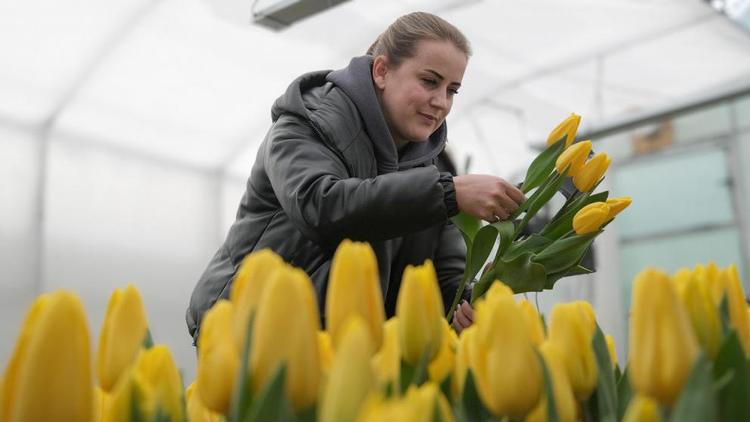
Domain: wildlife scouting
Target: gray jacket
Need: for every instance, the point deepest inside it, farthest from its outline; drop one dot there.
(328, 170)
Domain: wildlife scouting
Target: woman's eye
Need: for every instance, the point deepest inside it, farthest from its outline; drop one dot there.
(453, 91)
(429, 81)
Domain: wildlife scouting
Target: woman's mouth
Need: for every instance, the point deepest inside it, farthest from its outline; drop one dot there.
(428, 118)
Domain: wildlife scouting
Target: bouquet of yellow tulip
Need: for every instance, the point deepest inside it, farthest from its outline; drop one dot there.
(536, 261)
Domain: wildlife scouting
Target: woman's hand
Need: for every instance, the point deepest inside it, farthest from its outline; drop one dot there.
(463, 317)
(487, 197)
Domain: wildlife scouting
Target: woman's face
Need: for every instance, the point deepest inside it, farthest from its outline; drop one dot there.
(417, 95)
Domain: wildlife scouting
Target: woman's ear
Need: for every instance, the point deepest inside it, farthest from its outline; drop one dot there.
(379, 71)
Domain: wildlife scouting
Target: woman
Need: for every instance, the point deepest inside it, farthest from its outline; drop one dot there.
(352, 154)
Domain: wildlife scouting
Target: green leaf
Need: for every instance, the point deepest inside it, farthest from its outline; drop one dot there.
(542, 165)
(549, 391)
(521, 274)
(241, 393)
(605, 395)
(726, 324)
(271, 404)
(481, 247)
(565, 253)
(467, 224)
(624, 394)
(416, 375)
(734, 392)
(573, 271)
(564, 222)
(532, 244)
(148, 341)
(470, 407)
(505, 231)
(697, 402)
(539, 198)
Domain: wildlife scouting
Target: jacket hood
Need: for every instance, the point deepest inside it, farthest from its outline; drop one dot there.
(313, 91)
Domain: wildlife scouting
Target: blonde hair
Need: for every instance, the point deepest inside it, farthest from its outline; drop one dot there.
(399, 41)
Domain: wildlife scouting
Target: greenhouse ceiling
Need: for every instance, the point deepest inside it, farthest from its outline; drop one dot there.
(179, 82)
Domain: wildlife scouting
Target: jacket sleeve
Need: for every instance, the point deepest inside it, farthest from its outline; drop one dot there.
(314, 187)
(450, 260)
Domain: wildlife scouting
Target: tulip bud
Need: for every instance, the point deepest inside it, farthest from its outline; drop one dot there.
(387, 362)
(442, 365)
(354, 289)
(156, 368)
(218, 361)
(502, 337)
(663, 347)
(616, 205)
(611, 349)
(48, 377)
(590, 218)
(533, 321)
(573, 158)
(424, 401)
(703, 313)
(571, 331)
(351, 376)
(197, 411)
(463, 360)
(730, 279)
(567, 128)
(122, 335)
(642, 409)
(285, 331)
(591, 172)
(252, 278)
(419, 308)
(565, 403)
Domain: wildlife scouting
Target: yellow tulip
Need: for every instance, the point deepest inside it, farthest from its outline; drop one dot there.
(218, 361)
(663, 347)
(442, 365)
(354, 289)
(419, 308)
(423, 401)
(131, 399)
(736, 300)
(590, 218)
(565, 403)
(616, 205)
(49, 375)
(502, 358)
(591, 172)
(325, 348)
(252, 278)
(533, 321)
(387, 362)
(567, 128)
(710, 274)
(285, 331)
(611, 349)
(157, 369)
(196, 410)
(573, 158)
(417, 405)
(351, 377)
(122, 335)
(642, 409)
(571, 330)
(377, 409)
(703, 313)
(461, 367)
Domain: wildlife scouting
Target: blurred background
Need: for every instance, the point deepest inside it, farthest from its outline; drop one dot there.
(128, 128)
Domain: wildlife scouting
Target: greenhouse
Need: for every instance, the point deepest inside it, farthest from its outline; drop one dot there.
(207, 215)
